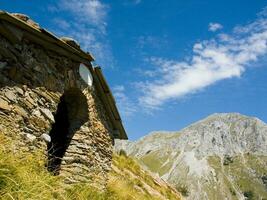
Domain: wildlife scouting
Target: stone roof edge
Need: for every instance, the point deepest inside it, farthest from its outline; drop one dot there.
(109, 100)
(77, 55)
(45, 35)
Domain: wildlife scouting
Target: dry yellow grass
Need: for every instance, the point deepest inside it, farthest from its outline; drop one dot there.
(24, 177)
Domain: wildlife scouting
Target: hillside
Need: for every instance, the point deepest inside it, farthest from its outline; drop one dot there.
(223, 156)
(23, 176)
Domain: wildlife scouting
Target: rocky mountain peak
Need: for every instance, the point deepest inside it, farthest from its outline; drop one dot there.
(219, 133)
(220, 157)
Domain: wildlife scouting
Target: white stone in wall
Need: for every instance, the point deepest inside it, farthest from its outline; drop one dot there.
(30, 137)
(48, 114)
(46, 137)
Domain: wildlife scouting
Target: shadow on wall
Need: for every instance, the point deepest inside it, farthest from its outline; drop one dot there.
(71, 114)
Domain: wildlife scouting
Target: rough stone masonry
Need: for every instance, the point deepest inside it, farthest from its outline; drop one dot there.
(45, 104)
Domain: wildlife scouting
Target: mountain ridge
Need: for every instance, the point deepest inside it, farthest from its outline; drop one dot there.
(215, 151)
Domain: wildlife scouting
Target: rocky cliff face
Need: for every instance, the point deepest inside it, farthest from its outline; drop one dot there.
(221, 157)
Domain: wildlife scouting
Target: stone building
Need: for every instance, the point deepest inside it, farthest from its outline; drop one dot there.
(53, 99)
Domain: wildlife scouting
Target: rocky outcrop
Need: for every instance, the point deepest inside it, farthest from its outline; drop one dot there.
(223, 156)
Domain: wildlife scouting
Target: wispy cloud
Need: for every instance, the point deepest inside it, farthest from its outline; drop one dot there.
(153, 42)
(92, 12)
(215, 26)
(87, 23)
(223, 57)
(126, 106)
(131, 2)
(63, 24)
(137, 1)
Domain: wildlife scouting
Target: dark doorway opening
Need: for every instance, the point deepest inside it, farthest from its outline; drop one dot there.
(71, 114)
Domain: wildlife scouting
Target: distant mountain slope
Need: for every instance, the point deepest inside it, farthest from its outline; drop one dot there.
(223, 156)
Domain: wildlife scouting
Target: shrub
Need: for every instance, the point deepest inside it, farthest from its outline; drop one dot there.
(264, 180)
(122, 152)
(248, 195)
(183, 189)
(227, 160)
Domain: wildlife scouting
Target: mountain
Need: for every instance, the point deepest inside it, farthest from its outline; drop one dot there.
(223, 156)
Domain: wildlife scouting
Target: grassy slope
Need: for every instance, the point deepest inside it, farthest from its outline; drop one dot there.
(139, 184)
(23, 176)
(244, 175)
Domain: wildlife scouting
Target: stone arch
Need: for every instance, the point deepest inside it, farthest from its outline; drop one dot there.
(72, 113)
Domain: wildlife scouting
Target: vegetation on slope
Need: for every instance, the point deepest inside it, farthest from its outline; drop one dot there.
(23, 176)
(137, 183)
(244, 176)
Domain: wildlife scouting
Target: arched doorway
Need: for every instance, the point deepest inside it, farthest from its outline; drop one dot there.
(71, 114)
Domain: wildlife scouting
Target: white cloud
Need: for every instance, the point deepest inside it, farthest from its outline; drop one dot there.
(87, 11)
(215, 26)
(224, 57)
(263, 12)
(126, 106)
(63, 24)
(153, 42)
(85, 22)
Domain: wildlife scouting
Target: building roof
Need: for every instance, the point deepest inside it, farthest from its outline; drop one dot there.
(49, 41)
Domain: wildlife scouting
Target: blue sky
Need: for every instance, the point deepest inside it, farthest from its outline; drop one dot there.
(169, 63)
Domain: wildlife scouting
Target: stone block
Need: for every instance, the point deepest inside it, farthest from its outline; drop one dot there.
(21, 111)
(10, 95)
(4, 105)
(48, 114)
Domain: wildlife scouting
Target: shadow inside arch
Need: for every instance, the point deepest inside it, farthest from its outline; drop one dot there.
(71, 114)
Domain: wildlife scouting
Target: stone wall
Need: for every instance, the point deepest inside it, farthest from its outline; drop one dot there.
(33, 81)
